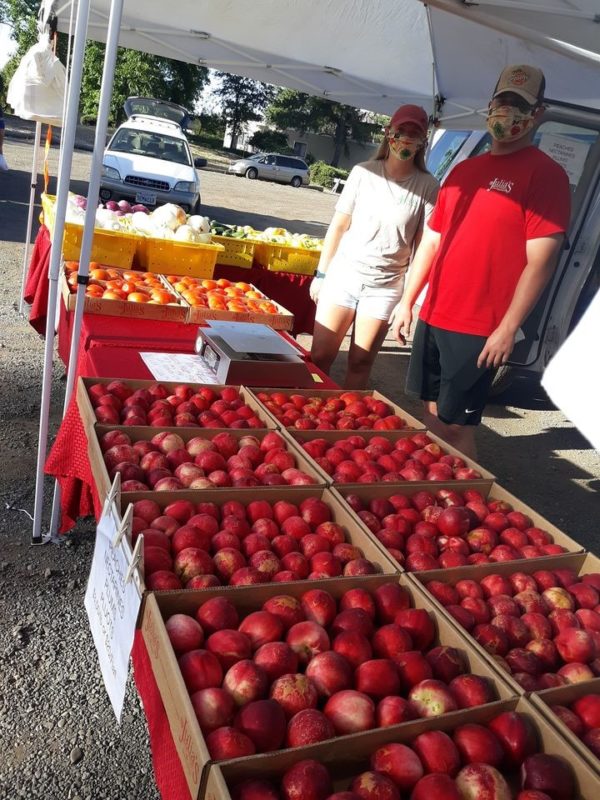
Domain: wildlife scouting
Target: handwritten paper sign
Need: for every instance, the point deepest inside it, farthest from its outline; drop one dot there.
(112, 602)
(179, 367)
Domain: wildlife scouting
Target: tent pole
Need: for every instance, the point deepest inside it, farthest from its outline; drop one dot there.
(64, 177)
(108, 73)
(32, 190)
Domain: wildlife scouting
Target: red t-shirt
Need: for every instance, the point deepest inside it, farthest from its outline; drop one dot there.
(487, 209)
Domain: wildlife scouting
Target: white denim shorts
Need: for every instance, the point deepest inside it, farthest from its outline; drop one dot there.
(349, 291)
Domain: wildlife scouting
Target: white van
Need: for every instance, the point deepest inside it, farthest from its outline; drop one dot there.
(571, 135)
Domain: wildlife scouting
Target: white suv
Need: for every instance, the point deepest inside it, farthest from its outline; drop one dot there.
(148, 159)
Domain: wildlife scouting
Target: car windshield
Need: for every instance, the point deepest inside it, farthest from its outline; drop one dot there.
(154, 145)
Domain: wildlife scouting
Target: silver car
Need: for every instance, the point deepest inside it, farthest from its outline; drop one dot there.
(272, 167)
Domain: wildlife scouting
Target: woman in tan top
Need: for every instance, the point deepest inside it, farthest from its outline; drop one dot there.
(370, 241)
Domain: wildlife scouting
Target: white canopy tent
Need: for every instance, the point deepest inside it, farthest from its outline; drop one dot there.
(372, 54)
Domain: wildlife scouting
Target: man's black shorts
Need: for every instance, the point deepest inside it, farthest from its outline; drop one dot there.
(443, 368)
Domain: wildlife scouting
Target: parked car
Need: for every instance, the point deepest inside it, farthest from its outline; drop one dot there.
(571, 135)
(273, 167)
(148, 159)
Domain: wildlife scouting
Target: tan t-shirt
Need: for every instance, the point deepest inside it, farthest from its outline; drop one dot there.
(386, 217)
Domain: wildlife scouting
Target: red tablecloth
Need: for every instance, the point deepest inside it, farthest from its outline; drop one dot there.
(287, 289)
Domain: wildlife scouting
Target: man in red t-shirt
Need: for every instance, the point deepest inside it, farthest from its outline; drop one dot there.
(487, 252)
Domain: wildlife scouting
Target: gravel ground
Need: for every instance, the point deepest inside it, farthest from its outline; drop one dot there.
(58, 735)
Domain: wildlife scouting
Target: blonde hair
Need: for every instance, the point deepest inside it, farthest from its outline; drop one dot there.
(383, 152)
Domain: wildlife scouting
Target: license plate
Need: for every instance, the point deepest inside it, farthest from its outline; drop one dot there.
(147, 198)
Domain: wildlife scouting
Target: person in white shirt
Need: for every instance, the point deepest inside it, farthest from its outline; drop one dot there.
(370, 241)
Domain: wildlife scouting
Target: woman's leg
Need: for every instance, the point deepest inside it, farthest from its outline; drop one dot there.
(367, 337)
(331, 325)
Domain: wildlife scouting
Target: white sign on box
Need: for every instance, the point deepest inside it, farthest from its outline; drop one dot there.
(571, 379)
(178, 367)
(112, 602)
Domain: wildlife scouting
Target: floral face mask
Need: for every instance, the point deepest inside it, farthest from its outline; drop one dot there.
(509, 123)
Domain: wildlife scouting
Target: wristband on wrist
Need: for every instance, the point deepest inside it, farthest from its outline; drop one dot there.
(319, 274)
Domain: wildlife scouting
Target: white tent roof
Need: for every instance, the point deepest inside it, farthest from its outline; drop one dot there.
(374, 54)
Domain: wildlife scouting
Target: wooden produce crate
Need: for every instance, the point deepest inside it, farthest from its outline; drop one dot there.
(352, 756)
(192, 749)
(487, 478)
(103, 481)
(581, 563)
(236, 252)
(89, 420)
(282, 258)
(108, 247)
(123, 308)
(491, 491)
(169, 257)
(412, 423)
(294, 494)
(564, 696)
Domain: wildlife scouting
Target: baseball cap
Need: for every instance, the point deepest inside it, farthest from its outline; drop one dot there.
(409, 113)
(526, 81)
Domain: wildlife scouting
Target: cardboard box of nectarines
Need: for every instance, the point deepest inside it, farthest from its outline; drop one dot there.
(499, 751)
(392, 457)
(335, 658)
(534, 619)
(293, 408)
(575, 711)
(159, 403)
(248, 537)
(193, 460)
(454, 524)
(273, 314)
(174, 311)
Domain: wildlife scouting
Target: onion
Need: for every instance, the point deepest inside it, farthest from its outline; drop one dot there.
(139, 207)
(200, 224)
(112, 205)
(79, 201)
(125, 206)
(170, 215)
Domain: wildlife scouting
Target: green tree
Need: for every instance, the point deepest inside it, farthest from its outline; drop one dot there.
(268, 140)
(292, 109)
(242, 100)
(136, 73)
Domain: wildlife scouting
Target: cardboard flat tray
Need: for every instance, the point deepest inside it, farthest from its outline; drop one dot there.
(392, 436)
(192, 748)
(348, 761)
(489, 490)
(103, 481)
(123, 308)
(564, 696)
(581, 562)
(371, 549)
(412, 423)
(88, 416)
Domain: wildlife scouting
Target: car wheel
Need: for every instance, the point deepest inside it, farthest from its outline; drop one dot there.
(196, 208)
(252, 174)
(502, 380)
(296, 181)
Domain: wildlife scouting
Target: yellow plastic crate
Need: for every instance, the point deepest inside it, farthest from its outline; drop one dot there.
(112, 248)
(166, 257)
(280, 258)
(236, 252)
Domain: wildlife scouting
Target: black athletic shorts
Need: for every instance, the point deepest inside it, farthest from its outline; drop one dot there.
(443, 368)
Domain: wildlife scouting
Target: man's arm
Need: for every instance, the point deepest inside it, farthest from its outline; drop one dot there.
(542, 255)
(418, 275)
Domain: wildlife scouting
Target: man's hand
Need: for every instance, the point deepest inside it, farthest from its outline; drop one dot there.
(498, 347)
(400, 322)
(315, 288)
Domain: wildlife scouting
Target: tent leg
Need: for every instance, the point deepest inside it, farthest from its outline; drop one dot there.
(64, 177)
(108, 73)
(36, 146)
